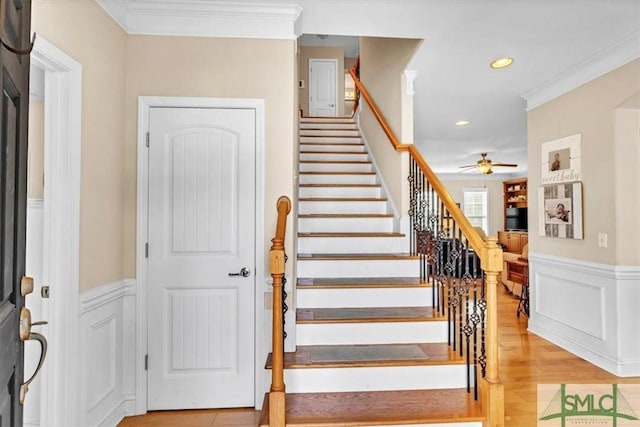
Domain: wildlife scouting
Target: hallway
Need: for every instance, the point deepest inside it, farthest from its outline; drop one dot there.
(525, 361)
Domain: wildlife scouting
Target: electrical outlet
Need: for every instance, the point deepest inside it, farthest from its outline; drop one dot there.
(602, 240)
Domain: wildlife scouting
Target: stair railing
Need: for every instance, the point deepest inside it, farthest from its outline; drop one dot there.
(276, 267)
(462, 266)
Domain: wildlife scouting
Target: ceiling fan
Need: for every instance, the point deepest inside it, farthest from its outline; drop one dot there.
(485, 165)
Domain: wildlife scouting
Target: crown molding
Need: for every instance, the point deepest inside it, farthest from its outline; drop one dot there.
(205, 18)
(599, 64)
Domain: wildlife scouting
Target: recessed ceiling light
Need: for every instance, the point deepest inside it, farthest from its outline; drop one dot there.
(501, 62)
(462, 122)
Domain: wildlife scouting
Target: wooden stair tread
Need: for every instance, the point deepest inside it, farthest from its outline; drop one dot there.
(367, 315)
(330, 136)
(336, 173)
(362, 153)
(327, 120)
(329, 129)
(351, 234)
(385, 256)
(347, 143)
(378, 408)
(342, 199)
(339, 162)
(340, 185)
(345, 215)
(303, 357)
(360, 282)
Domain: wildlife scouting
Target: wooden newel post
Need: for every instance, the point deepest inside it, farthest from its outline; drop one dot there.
(492, 389)
(276, 266)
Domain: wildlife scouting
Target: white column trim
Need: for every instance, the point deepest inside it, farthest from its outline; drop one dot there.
(62, 134)
(145, 103)
(410, 77)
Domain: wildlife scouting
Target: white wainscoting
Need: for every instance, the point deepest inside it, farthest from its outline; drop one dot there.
(589, 309)
(107, 354)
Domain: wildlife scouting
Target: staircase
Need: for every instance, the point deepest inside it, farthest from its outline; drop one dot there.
(371, 351)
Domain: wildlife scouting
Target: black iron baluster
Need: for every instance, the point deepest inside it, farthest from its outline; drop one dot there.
(285, 307)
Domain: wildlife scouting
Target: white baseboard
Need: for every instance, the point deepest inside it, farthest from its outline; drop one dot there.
(106, 379)
(603, 327)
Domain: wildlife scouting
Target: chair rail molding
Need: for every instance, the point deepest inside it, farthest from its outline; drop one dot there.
(212, 18)
(599, 329)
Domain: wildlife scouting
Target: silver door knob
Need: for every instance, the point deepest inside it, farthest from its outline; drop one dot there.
(245, 272)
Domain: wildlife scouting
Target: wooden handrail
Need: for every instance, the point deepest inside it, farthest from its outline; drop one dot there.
(276, 267)
(475, 240)
(490, 260)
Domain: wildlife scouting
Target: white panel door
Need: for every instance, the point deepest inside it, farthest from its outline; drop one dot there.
(201, 230)
(323, 87)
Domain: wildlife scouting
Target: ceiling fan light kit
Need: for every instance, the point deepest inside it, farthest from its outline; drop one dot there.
(485, 166)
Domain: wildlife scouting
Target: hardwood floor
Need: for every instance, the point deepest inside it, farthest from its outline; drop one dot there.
(525, 361)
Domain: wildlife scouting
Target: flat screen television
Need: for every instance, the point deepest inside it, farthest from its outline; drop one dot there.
(516, 219)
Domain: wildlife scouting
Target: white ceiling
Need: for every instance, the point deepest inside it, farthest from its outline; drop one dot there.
(556, 45)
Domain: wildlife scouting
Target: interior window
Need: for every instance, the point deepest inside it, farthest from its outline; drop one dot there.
(475, 207)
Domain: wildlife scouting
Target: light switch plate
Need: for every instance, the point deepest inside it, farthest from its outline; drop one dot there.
(602, 240)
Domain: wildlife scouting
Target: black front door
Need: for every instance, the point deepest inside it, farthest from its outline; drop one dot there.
(15, 23)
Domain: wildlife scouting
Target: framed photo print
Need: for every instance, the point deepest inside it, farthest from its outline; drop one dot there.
(560, 210)
(561, 160)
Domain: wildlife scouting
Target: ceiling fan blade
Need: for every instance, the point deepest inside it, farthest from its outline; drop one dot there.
(468, 166)
(510, 165)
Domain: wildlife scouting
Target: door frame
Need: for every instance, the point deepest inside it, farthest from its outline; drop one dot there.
(336, 84)
(61, 239)
(145, 103)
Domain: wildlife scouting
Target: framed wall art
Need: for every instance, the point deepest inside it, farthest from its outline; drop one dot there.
(560, 211)
(561, 160)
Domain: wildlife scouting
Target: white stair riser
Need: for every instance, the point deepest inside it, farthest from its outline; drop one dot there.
(320, 125)
(345, 225)
(340, 192)
(335, 157)
(336, 167)
(358, 268)
(330, 139)
(324, 380)
(337, 179)
(372, 297)
(333, 147)
(339, 207)
(350, 245)
(370, 333)
(329, 132)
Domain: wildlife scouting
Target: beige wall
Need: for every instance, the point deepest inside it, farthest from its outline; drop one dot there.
(382, 63)
(627, 185)
(82, 30)
(215, 67)
(316, 52)
(608, 150)
(496, 201)
(35, 189)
